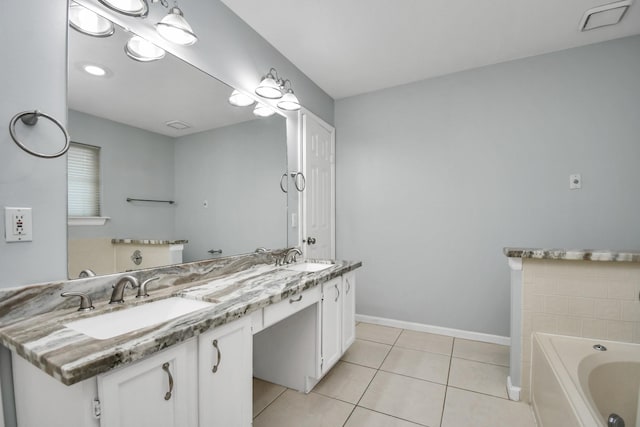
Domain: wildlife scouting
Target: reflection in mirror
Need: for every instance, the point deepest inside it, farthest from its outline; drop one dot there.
(166, 131)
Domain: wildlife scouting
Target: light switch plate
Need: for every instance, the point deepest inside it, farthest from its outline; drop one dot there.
(18, 225)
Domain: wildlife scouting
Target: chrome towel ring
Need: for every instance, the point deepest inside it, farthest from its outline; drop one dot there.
(30, 118)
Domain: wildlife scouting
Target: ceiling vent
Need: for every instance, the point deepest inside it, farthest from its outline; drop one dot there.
(177, 124)
(601, 16)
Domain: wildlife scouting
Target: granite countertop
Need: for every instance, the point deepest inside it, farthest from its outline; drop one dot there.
(573, 254)
(148, 242)
(71, 356)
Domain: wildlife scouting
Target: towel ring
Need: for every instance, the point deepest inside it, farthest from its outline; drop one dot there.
(30, 118)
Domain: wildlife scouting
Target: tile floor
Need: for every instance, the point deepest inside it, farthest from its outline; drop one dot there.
(398, 378)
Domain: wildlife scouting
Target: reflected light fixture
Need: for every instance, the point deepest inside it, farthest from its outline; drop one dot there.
(289, 101)
(239, 99)
(95, 70)
(88, 22)
(138, 8)
(262, 110)
(143, 50)
(175, 28)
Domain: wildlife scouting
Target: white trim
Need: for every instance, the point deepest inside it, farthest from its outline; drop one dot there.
(512, 391)
(515, 263)
(421, 327)
(87, 220)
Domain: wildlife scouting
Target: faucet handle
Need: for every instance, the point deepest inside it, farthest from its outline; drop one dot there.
(85, 300)
(142, 289)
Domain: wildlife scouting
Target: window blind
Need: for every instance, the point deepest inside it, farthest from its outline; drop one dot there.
(83, 180)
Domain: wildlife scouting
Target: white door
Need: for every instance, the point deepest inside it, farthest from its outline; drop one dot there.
(225, 375)
(161, 390)
(318, 198)
(331, 324)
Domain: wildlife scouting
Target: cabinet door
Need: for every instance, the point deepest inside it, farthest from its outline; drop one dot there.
(224, 364)
(160, 390)
(348, 310)
(331, 324)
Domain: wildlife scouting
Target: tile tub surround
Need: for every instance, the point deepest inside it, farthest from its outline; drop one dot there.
(238, 286)
(148, 242)
(597, 298)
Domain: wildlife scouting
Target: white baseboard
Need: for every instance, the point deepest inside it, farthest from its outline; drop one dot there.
(512, 391)
(420, 327)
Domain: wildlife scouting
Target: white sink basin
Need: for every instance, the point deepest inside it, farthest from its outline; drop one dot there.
(308, 267)
(122, 321)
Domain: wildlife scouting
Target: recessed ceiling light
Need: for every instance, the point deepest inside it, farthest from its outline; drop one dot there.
(95, 70)
(602, 16)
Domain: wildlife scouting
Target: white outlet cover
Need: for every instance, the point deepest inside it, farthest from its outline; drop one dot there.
(575, 181)
(12, 232)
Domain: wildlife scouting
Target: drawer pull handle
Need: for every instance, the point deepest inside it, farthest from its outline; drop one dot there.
(348, 287)
(215, 367)
(338, 292)
(165, 367)
(291, 300)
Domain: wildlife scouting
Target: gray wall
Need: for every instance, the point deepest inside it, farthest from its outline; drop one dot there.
(134, 163)
(435, 178)
(237, 170)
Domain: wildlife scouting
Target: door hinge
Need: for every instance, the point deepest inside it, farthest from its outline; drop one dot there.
(97, 408)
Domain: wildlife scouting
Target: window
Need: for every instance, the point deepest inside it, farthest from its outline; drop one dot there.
(83, 180)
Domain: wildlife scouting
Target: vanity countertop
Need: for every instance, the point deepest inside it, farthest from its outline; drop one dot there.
(71, 356)
(573, 254)
(148, 242)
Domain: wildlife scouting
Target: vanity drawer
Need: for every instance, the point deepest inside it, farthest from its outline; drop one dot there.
(285, 308)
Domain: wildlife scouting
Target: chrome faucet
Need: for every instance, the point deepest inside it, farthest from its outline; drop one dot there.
(87, 272)
(142, 289)
(85, 300)
(117, 297)
(291, 255)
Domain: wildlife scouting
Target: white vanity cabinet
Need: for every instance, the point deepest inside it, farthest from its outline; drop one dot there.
(331, 343)
(160, 390)
(348, 310)
(225, 375)
(338, 320)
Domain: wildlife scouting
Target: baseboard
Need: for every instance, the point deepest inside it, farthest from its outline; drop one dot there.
(512, 391)
(420, 327)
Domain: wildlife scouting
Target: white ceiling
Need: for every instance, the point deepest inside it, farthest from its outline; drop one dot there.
(349, 47)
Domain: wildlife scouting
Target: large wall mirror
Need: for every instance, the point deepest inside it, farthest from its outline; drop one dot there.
(165, 131)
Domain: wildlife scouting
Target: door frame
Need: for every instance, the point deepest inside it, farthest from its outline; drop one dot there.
(303, 115)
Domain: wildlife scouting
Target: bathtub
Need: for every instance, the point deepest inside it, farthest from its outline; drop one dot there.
(572, 384)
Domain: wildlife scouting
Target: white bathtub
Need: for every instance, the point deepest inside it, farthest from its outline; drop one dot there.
(572, 384)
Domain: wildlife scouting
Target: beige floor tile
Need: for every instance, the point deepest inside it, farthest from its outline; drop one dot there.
(477, 376)
(407, 398)
(366, 353)
(377, 333)
(481, 351)
(425, 341)
(264, 393)
(346, 381)
(294, 409)
(418, 364)
(466, 408)
(362, 417)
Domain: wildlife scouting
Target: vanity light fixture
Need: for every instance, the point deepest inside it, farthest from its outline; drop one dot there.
(137, 8)
(289, 101)
(175, 28)
(88, 22)
(143, 50)
(273, 86)
(262, 110)
(239, 99)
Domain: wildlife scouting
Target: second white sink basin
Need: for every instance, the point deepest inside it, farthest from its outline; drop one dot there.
(120, 322)
(308, 267)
